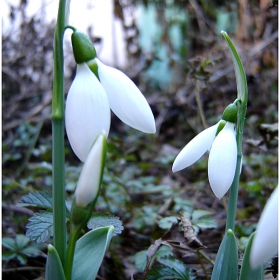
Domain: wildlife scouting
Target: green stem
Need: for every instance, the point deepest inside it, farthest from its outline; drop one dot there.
(233, 196)
(74, 235)
(242, 100)
(59, 211)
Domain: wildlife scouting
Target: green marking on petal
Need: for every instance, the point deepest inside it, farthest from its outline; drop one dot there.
(93, 67)
(222, 124)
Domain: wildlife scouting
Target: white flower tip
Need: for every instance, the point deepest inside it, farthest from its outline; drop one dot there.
(152, 127)
(91, 174)
(126, 100)
(265, 243)
(222, 161)
(176, 166)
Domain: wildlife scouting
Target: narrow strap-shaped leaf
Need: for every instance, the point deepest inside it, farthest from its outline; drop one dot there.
(90, 251)
(239, 70)
(54, 269)
(247, 273)
(226, 263)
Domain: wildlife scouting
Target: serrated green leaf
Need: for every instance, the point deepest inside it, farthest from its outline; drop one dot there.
(98, 220)
(226, 263)
(247, 273)
(90, 251)
(54, 269)
(177, 266)
(41, 199)
(162, 273)
(40, 226)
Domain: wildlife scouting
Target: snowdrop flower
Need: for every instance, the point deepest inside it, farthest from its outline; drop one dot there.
(220, 140)
(265, 243)
(90, 178)
(95, 89)
(87, 111)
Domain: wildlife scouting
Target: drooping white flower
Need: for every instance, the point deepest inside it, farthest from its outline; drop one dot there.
(87, 111)
(265, 243)
(222, 158)
(90, 178)
(95, 89)
(126, 100)
(195, 149)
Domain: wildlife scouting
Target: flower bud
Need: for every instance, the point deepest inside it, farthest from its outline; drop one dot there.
(83, 48)
(230, 113)
(91, 175)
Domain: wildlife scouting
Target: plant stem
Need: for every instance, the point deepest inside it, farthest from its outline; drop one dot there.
(233, 196)
(241, 102)
(74, 235)
(59, 210)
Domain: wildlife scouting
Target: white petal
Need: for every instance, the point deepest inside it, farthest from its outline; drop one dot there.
(87, 111)
(90, 177)
(195, 149)
(125, 99)
(222, 160)
(265, 243)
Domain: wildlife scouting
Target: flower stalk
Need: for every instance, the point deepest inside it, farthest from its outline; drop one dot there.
(241, 102)
(59, 210)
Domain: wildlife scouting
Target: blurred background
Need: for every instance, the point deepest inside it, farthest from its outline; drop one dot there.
(174, 51)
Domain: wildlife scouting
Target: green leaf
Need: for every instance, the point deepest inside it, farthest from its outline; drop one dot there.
(226, 264)
(31, 251)
(40, 226)
(22, 259)
(21, 241)
(166, 222)
(54, 269)
(8, 256)
(247, 273)
(161, 273)
(239, 70)
(197, 214)
(98, 220)
(20, 248)
(177, 266)
(9, 243)
(140, 260)
(41, 199)
(90, 251)
(206, 222)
